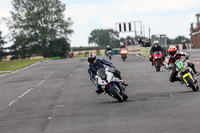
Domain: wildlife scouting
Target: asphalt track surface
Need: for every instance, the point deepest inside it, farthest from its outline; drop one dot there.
(57, 97)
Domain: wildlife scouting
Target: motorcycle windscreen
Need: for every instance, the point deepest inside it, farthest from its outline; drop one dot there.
(157, 53)
(101, 73)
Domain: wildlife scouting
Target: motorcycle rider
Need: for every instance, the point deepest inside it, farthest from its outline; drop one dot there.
(95, 65)
(174, 55)
(108, 49)
(154, 48)
(122, 45)
(71, 53)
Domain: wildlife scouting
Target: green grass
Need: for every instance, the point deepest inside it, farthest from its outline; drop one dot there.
(1, 73)
(18, 64)
(55, 58)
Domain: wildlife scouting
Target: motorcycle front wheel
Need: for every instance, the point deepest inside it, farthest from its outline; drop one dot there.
(191, 84)
(110, 57)
(116, 94)
(158, 65)
(125, 96)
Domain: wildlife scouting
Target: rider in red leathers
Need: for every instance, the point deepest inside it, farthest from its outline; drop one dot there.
(174, 55)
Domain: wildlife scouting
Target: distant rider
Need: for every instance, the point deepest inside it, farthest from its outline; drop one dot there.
(71, 53)
(174, 55)
(108, 48)
(122, 45)
(95, 65)
(154, 48)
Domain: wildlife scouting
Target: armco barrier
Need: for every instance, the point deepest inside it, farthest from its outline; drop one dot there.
(114, 52)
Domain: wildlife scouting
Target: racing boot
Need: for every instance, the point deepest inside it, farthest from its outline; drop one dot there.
(182, 82)
(99, 90)
(197, 73)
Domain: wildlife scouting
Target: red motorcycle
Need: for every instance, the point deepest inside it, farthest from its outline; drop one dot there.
(123, 53)
(158, 60)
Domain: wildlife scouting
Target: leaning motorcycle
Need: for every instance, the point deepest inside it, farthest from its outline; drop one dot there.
(157, 60)
(110, 84)
(186, 74)
(109, 54)
(123, 54)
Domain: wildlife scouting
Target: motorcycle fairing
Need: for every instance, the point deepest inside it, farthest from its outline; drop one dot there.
(185, 75)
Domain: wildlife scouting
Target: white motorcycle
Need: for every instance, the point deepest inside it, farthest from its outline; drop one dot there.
(110, 84)
(109, 54)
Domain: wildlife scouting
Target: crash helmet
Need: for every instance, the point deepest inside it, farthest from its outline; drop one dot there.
(156, 43)
(108, 46)
(172, 51)
(91, 57)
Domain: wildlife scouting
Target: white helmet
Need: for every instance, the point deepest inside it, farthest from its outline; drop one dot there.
(156, 42)
(108, 46)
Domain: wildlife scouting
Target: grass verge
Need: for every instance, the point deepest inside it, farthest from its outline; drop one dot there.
(1, 73)
(18, 64)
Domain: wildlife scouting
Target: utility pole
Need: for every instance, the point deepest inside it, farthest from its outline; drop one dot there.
(144, 30)
(149, 33)
(135, 29)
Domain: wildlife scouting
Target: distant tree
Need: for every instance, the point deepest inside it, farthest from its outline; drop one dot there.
(136, 38)
(179, 40)
(169, 40)
(2, 42)
(104, 37)
(58, 47)
(39, 22)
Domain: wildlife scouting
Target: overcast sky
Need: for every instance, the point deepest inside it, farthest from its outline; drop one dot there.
(170, 17)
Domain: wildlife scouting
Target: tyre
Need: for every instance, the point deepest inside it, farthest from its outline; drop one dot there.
(158, 63)
(191, 84)
(116, 94)
(110, 57)
(124, 59)
(197, 87)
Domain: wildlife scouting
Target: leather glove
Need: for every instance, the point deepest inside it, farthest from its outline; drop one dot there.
(113, 68)
(187, 57)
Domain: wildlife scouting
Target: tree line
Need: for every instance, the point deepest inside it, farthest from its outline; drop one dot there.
(38, 27)
(104, 37)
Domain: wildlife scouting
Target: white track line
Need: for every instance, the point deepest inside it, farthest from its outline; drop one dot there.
(12, 102)
(26, 92)
(70, 75)
(42, 81)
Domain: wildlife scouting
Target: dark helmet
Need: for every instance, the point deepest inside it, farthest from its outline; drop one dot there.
(91, 57)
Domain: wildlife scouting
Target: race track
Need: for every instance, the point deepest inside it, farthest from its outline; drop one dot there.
(58, 97)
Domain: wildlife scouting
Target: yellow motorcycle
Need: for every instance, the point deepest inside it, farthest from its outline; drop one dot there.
(186, 74)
